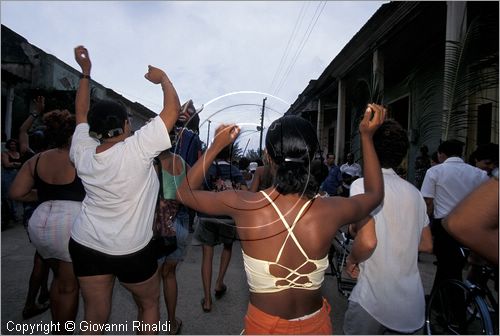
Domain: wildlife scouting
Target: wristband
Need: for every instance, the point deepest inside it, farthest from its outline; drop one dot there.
(82, 76)
(34, 115)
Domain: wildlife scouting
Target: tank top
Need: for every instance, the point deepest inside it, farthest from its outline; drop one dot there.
(259, 277)
(172, 182)
(73, 191)
(13, 160)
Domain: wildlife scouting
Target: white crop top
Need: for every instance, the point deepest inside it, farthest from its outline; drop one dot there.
(259, 277)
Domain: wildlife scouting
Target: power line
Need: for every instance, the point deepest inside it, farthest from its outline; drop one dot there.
(303, 43)
(298, 22)
(305, 38)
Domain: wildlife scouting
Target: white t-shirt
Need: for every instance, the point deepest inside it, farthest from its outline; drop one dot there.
(450, 182)
(122, 189)
(389, 286)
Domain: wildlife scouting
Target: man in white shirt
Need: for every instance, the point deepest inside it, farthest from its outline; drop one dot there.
(350, 172)
(444, 186)
(386, 247)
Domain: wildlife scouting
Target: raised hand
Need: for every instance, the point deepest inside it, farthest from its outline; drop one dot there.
(83, 59)
(370, 123)
(155, 75)
(225, 135)
(39, 104)
(352, 269)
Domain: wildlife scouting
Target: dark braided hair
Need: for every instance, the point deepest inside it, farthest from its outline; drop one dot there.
(291, 143)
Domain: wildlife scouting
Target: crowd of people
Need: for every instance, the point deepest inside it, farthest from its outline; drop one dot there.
(108, 203)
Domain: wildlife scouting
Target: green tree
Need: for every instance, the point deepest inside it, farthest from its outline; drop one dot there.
(236, 151)
(252, 154)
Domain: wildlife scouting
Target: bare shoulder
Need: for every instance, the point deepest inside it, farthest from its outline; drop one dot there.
(34, 157)
(334, 207)
(242, 204)
(174, 164)
(31, 162)
(331, 200)
(245, 199)
(177, 159)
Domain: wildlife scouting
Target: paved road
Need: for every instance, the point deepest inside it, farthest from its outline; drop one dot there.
(226, 316)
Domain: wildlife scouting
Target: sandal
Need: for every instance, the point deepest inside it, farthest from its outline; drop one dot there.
(36, 309)
(177, 330)
(206, 310)
(220, 293)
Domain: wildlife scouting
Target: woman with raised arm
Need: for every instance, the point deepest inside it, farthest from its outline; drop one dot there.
(111, 238)
(283, 229)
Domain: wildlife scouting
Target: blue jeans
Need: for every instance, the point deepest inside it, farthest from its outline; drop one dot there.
(181, 235)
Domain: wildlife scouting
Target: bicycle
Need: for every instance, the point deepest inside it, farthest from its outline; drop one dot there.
(464, 307)
(339, 250)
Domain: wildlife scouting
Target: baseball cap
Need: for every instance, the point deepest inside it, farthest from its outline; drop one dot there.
(252, 166)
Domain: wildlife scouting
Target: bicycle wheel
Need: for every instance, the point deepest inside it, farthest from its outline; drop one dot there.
(492, 305)
(339, 253)
(487, 283)
(456, 309)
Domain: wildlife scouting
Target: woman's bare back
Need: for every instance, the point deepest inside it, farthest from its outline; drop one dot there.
(54, 167)
(263, 234)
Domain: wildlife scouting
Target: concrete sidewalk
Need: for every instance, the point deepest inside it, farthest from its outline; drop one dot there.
(226, 316)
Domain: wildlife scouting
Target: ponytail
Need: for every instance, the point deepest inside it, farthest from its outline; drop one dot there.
(293, 151)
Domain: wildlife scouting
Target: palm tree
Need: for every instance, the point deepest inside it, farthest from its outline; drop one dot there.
(471, 70)
(252, 154)
(236, 151)
(470, 78)
(447, 94)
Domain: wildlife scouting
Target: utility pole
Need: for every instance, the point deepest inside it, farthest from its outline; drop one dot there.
(245, 150)
(262, 125)
(208, 133)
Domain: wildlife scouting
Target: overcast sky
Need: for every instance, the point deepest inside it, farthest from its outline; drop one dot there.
(215, 53)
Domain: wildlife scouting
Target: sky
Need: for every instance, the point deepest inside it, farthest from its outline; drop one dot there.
(226, 56)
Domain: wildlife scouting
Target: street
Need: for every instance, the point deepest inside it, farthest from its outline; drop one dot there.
(226, 316)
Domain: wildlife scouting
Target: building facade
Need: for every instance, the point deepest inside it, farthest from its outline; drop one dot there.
(433, 64)
(28, 71)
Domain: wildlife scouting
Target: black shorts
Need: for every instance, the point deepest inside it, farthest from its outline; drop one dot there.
(129, 268)
(213, 231)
